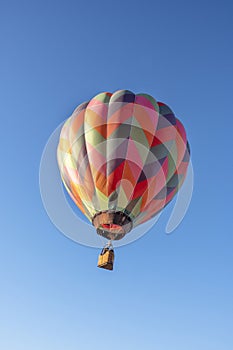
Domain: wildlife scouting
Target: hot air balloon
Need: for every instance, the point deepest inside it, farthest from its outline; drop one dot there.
(122, 158)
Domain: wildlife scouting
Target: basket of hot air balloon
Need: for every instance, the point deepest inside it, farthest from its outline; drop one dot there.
(106, 257)
(122, 158)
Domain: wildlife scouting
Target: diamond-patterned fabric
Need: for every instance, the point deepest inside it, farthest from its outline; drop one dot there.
(123, 152)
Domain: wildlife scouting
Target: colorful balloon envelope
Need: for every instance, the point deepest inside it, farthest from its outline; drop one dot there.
(122, 158)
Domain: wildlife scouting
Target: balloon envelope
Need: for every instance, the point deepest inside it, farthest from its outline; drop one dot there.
(122, 158)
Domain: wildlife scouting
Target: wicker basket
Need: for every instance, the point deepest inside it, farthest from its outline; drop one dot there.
(106, 259)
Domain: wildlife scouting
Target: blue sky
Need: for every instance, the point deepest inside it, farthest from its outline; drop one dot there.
(167, 292)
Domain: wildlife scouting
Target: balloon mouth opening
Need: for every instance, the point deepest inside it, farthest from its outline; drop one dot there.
(112, 225)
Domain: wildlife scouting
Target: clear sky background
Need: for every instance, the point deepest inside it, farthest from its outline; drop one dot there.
(166, 292)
